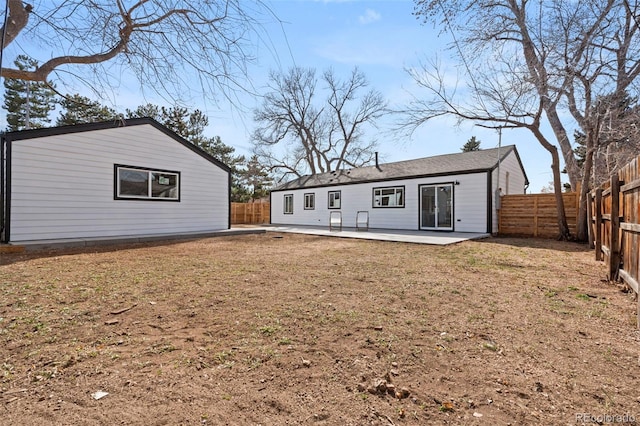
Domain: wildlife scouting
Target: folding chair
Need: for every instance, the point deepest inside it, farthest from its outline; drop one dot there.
(335, 221)
(362, 220)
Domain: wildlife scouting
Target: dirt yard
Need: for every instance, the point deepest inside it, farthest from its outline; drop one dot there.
(282, 329)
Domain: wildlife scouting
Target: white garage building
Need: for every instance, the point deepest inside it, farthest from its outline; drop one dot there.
(125, 178)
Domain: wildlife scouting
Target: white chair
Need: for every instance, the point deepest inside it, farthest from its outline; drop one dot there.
(362, 220)
(335, 221)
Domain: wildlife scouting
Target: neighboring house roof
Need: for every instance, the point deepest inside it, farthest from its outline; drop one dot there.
(449, 164)
(87, 127)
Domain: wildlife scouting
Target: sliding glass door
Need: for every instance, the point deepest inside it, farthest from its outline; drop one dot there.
(436, 207)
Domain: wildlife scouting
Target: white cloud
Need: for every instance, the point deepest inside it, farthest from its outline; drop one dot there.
(369, 17)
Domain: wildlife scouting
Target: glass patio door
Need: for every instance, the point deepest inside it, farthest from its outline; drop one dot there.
(436, 207)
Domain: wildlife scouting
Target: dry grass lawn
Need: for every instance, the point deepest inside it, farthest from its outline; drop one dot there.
(278, 329)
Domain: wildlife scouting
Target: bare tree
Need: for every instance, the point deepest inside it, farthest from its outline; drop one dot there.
(503, 101)
(164, 43)
(619, 138)
(299, 134)
(534, 63)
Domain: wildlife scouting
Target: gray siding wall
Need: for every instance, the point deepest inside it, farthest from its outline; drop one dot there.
(470, 204)
(511, 181)
(62, 186)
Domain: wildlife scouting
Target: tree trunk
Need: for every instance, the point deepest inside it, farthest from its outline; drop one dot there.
(571, 165)
(582, 222)
(563, 228)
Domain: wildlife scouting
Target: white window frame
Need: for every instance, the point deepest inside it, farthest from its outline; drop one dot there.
(333, 201)
(382, 193)
(173, 195)
(288, 204)
(310, 201)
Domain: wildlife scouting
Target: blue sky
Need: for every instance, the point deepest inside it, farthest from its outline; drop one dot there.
(382, 38)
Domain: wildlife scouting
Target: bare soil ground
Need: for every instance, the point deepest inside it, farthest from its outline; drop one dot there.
(282, 329)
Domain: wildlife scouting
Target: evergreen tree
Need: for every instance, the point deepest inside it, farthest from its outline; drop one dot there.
(191, 126)
(28, 103)
(80, 109)
(254, 180)
(472, 145)
(147, 110)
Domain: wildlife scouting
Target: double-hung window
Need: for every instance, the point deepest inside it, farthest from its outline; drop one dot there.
(146, 184)
(334, 199)
(310, 201)
(388, 197)
(288, 204)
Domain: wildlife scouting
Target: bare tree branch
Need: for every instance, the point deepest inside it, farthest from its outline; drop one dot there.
(162, 42)
(316, 136)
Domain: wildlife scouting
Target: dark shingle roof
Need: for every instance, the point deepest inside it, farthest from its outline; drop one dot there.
(448, 164)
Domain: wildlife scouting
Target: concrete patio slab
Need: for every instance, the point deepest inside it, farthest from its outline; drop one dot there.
(397, 235)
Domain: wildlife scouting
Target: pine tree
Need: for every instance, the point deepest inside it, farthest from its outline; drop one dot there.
(80, 109)
(191, 126)
(255, 179)
(28, 103)
(472, 145)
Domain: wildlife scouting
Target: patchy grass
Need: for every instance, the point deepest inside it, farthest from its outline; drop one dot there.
(314, 330)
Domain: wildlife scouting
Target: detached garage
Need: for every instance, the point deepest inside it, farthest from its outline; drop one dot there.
(454, 192)
(125, 178)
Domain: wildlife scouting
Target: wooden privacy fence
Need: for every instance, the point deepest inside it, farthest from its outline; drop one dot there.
(250, 213)
(614, 228)
(535, 215)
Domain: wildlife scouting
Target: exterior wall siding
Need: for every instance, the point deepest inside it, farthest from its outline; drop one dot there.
(62, 186)
(470, 204)
(512, 181)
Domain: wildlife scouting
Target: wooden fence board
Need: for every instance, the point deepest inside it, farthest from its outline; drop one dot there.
(616, 207)
(250, 213)
(535, 215)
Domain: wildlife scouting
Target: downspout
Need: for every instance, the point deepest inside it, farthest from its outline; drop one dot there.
(490, 201)
(498, 180)
(3, 143)
(2, 188)
(229, 193)
(498, 191)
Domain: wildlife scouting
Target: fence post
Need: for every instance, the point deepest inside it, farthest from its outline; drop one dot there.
(598, 227)
(614, 244)
(589, 219)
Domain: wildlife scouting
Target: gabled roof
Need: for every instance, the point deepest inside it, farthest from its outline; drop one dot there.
(441, 165)
(87, 127)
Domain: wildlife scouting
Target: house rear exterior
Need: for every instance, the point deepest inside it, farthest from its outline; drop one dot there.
(132, 178)
(453, 192)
